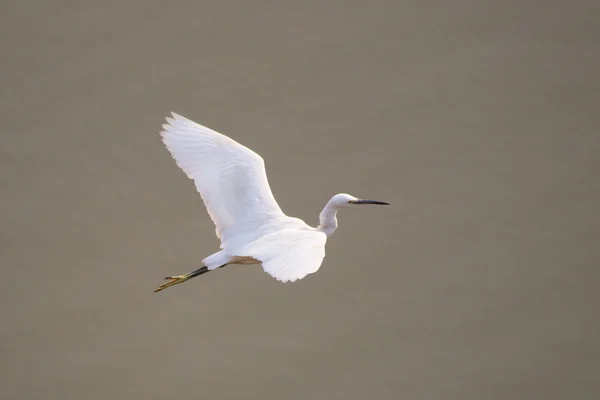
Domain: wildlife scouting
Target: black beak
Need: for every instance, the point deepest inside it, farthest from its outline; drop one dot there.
(381, 203)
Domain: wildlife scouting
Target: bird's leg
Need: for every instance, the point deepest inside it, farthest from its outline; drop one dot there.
(174, 280)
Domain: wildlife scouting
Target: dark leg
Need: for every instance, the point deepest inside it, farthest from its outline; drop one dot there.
(174, 280)
(195, 273)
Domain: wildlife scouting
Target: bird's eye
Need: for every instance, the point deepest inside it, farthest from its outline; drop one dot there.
(351, 202)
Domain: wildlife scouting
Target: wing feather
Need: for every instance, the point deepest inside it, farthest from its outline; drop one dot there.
(230, 178)
(288, 255)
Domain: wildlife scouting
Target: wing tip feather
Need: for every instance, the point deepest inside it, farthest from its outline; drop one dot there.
(177, 116)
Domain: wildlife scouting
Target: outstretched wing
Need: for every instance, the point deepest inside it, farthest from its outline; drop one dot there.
(287, 255)
(230, 178)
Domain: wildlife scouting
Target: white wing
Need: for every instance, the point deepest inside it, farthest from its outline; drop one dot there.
(288, 255)
(230, 178)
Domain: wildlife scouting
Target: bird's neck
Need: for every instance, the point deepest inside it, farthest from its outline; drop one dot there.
(328, 220)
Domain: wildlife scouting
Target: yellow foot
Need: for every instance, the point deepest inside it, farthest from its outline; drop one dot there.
(172, 281)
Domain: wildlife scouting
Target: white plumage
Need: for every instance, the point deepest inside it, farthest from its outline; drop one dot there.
(232, 182)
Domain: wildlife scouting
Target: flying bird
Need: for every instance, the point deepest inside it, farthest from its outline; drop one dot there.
(232, 182)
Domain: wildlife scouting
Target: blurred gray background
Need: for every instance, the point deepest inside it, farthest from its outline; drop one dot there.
(478, 120)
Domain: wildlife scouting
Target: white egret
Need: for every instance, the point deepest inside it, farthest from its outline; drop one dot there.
(232, 182)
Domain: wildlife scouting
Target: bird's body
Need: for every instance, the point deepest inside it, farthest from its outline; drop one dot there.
(253, 229)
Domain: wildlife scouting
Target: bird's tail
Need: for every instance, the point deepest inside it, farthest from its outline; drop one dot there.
(217, 260)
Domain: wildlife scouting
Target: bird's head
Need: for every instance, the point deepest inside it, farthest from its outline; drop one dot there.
(327, 218)
(343, 200)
